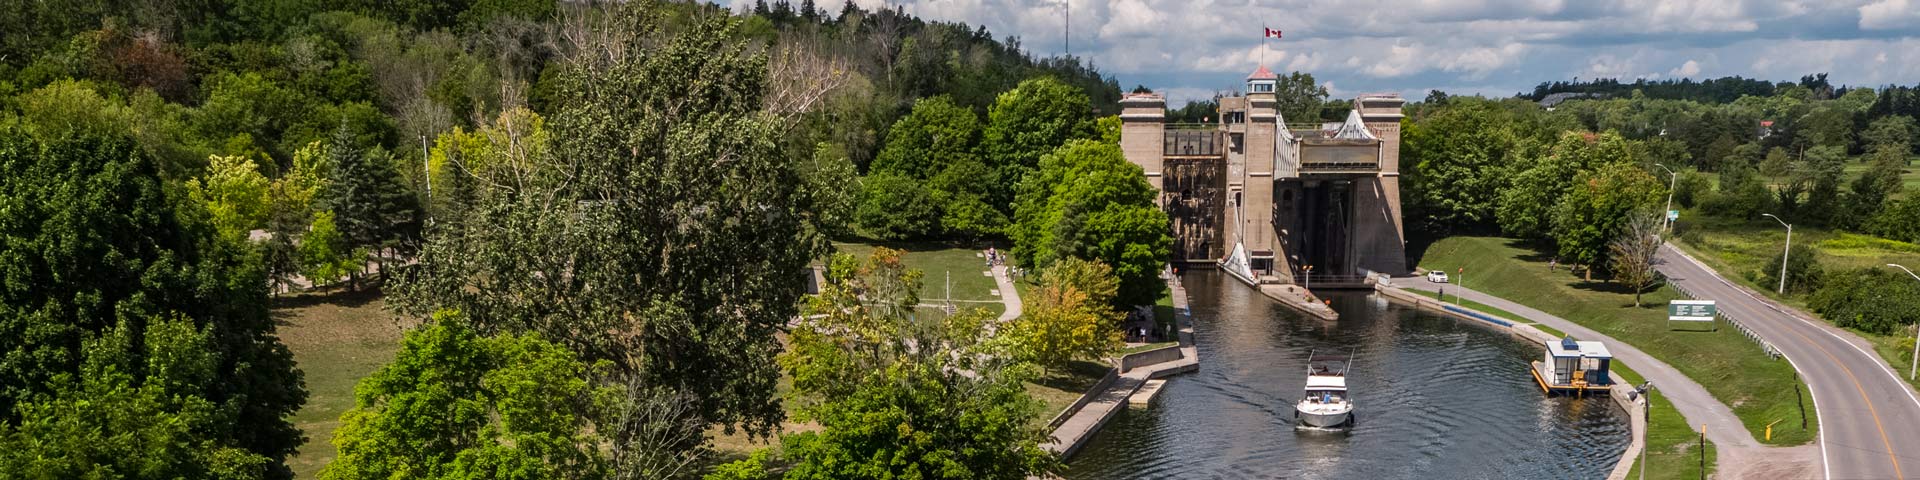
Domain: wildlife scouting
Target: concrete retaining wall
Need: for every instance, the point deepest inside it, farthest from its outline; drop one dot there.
(1106, 382)
(1150, 357)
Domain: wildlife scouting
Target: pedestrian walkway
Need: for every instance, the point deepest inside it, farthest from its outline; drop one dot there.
(1008, 295)
(1736, 447)
(1084, 422)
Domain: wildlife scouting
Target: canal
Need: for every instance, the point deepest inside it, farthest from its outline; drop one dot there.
(1435, 398)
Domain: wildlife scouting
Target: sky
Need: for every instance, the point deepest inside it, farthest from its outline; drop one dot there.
(1188, 49)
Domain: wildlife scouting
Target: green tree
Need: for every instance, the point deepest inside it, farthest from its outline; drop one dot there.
(325, 256)
(1027, 122)
(1777, 163)
(103, 422)
(1086, 201)
(896, 207)
(1457, 160)
(834, 187)
(454, 404)
(373, 210)
(1893, 132)
(1900, 220)
(235, 193)
(1804, 273)
(1822, 172)
(1062, 323)
(1868, 194)
(935, 135)
(91, 239)
(901, 397)
(1597, 209)
(668, 232)
(1300, 97)
(1526, 207)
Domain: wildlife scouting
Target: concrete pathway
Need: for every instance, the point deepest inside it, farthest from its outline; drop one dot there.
(1737, 448)
(1008, 295)
(1869, 418)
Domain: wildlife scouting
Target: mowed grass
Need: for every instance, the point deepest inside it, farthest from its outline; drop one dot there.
(1758, 388)
(1673, 446)
(972, 287)
(337, 338)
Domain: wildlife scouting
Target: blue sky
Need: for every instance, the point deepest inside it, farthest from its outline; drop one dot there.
(1190, 48)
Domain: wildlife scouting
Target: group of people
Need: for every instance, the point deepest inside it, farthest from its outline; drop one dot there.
(995, 258)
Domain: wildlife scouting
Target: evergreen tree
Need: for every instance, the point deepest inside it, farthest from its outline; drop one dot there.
(373, 210)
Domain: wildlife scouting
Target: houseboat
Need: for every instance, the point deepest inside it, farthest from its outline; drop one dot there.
(1574, 368)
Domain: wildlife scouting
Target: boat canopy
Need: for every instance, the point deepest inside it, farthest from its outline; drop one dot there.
(1317, 382)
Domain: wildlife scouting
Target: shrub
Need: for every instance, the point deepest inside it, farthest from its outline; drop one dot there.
(1875, 300)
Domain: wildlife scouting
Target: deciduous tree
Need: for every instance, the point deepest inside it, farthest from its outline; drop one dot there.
(897, 396)
(1633, 253)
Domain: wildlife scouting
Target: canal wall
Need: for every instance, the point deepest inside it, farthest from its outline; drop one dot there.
(1622, 394)
(1073, 427)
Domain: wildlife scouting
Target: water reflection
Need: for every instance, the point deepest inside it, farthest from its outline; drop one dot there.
(1435, 399)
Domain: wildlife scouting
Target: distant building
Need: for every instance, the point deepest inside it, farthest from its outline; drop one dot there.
(1266, 200)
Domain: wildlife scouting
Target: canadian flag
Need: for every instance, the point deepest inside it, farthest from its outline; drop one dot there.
(1271, 33)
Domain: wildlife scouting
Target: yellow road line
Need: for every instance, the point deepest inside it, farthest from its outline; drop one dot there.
(1863, 396)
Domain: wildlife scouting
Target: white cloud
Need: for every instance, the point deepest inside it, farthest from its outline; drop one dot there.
(1890, 14)
(1496, 47)
(1688, 69)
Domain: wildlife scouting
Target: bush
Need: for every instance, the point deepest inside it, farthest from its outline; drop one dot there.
(1691, 188)
(1803, 271)
(1875, 300)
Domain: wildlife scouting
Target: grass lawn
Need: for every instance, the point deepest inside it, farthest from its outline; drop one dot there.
(1060, 388)
(1487, 309)
(336, 338)
(972, 287)
(1759, 389)
(1673, 446)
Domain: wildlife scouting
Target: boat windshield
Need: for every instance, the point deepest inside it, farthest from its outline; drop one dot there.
(1325, 396)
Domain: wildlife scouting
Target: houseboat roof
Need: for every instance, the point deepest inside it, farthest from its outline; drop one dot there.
(1572, 348)
(1318, 382)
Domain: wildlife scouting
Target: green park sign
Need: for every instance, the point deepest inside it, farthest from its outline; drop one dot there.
(1691, 310)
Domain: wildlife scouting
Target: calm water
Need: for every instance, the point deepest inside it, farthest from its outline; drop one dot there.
(1435, 398)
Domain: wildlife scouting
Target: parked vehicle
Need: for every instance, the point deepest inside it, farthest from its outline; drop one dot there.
(1436, 276)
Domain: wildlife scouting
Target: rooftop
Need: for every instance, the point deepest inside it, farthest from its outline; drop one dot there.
(1589, 349)
(1263, 74)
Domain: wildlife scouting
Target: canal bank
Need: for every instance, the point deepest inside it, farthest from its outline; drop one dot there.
(1135, 379)
(1428, 389)
(1738, 454)
(1621, 394)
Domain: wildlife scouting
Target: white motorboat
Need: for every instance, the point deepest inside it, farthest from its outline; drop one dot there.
(1326, 404)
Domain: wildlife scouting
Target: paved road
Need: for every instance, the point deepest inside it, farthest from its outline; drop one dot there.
(1736, 445)
(1869, 419)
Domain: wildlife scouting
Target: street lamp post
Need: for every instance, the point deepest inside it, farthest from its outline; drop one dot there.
(1915, 366)
(1309, 286)
(1783, 254)
(1673, 179)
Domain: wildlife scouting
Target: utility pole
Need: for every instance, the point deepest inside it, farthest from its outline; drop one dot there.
(1783, 254)
(1673, 179)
